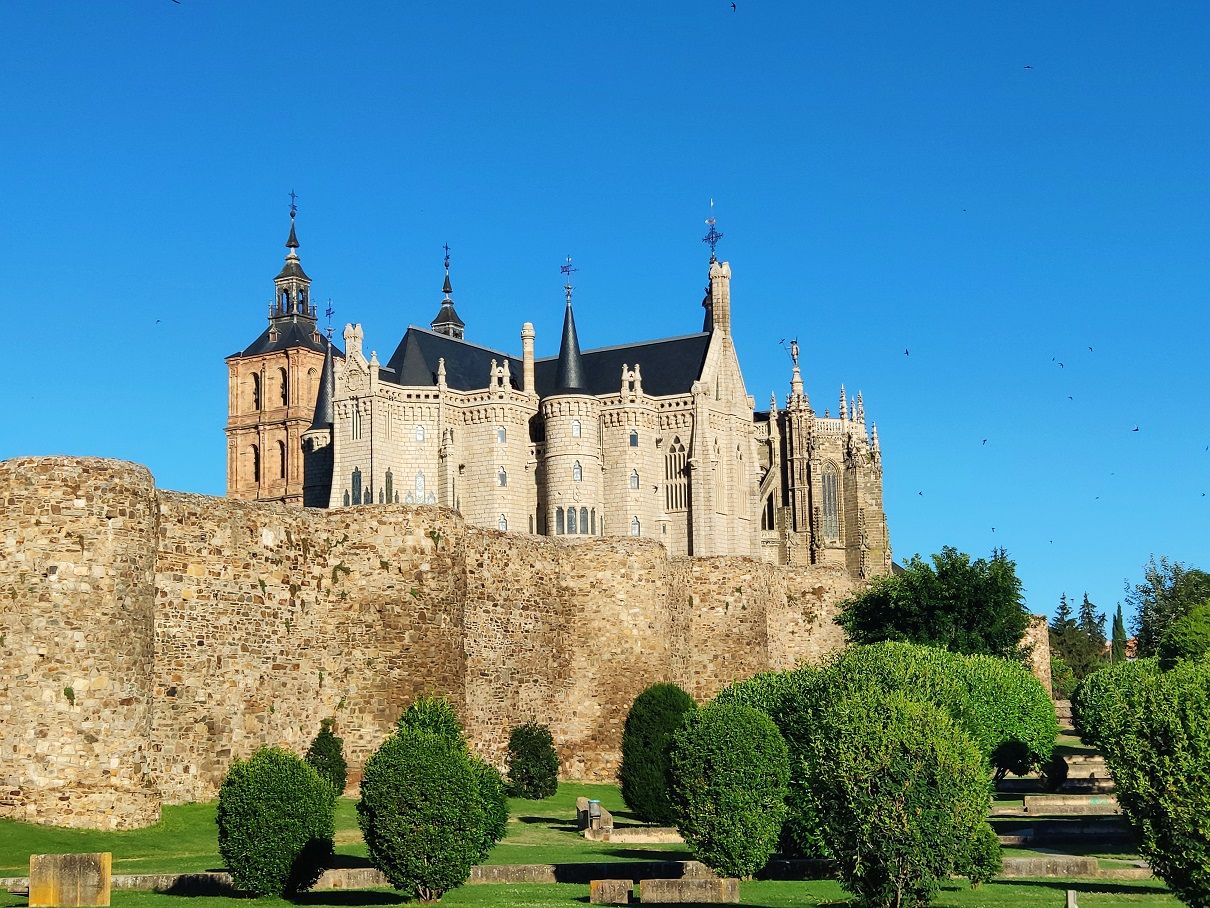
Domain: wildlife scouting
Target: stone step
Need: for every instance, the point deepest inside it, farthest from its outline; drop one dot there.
(1071, 805)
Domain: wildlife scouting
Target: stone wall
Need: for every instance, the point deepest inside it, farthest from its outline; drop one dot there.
(192, 630)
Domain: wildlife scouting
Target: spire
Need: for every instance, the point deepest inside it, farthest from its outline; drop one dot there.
(323, 402)
(447, 321)
(874, 437)
(860, 408)
(570, 375)
(292, 296)
(796, 392)
(844, 408)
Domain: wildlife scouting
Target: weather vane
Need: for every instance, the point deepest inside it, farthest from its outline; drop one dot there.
(568, 270)
(293, 203)
(446, 247)
(328, 312)
(713, 236)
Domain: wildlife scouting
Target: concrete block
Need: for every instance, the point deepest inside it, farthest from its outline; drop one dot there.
(609, 892)
(70, 880)
(689, 891)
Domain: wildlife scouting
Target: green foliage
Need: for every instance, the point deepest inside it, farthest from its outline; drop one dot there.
(1169, 590)
(493, 800)
(435, 715)
(1079, 642)
(1161, 767)
(1099, 705)
(903, 796)
(275, 822)
(1062, 679)
(533, 765)
(963, 605)
(729, 771)
(1118, 650)
(1188, 637)
(420, 813)
(984, 859)
(326, 754)
(769, 692)
(656, 714)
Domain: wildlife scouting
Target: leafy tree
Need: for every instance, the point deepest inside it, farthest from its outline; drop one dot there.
(493, 799)
(533, 765)
(654, 718)
(1062, 679)
(963, 605)
(1100, 705)
(1188, 637)
(1117, 651)
(729, 772)
(1169, 590)
(275, 822)
(326, 754)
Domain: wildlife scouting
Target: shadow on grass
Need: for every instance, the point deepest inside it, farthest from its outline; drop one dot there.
(340, 861)
(348, 897)
(1106, 887)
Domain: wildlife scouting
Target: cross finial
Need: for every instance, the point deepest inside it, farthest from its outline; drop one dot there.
(567, 269)
(712, 236)
(293, 204)
(446, 247)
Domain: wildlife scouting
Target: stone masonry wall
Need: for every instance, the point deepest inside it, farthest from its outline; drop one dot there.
(194, 630)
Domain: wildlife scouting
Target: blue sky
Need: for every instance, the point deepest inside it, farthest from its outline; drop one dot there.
(993, 188)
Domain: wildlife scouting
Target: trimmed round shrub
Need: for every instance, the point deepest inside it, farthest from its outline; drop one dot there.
(1008, 713)
(275, 823)
(729, 772)
(493, 801)
(1099, 705)
(902, 796)
(1161, 767)
(420, 813)
(435, 715)
(654, 717)
(985, 858)
(326, 754)
(533, 765)
(770, 692)
(1188, 637)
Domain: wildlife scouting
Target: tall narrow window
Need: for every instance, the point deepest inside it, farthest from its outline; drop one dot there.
(577, 472)
(634, 438)
(420, 433)
(390, 487)
(355, 422)
(675, 482)
(284, 380)
(420, 487)
(255, 391)
(501, 434)
(635, 529)
(502, 524)
(634, 480)
(346, 498)
(593, 525)
(367, 497)
(502, 477)
(558, 521)
(255, 452)
(571, 521)
(281, 460)
(831, 515)
(356, 483)
(584, 521)
(575, 428)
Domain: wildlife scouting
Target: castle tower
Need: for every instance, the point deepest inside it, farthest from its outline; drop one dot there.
(572, 464)
(272, 386)
(447, 321)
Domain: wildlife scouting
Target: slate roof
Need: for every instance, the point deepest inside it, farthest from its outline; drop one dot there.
(292, 331)
(467, 365)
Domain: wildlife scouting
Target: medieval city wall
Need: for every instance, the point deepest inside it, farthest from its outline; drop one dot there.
(192, 630)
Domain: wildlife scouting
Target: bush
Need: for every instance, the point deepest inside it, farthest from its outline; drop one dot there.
(656, 714)
(729, 772)
(326, 754)
(420, 813)
(902, 796)
(435, 715)
(275, 823)
(1062, 678)
(1161, 767)
(1188, 637)
(533, 765)
(984, 859)
(770, 692)
(493, 800)
(1099, 705)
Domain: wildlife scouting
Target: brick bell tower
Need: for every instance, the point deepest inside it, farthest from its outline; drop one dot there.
(271, 390)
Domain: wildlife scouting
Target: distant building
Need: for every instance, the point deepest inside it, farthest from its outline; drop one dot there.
(654, 438)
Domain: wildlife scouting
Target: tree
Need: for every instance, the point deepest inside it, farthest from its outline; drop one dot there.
(654, 718)
(1188, 637)
(533, 764)
(1117, 651)
(1169, 590)
(326, 754)
(1064, 632)
(1089, 652)
(963, 605)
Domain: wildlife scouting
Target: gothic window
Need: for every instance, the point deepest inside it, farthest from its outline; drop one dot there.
(634, 438)
(593, 525)
(575, 428)
(635, 528)
(584, 521)
(284, 379)
(501, 434)
(502, 524)
(559, 521)
(281, 460)
(346, 498)
(420, 487)
(311, 377)
(420, 433)
(502, 477)
(571, 521)
(368, 497)
(390, 486)
(831, 515)
(577, 472)
(255, 391)
(255, 452)
(355, 423)
(676, 485)
(634, 479)
(381, 497)
(767, 520)
(356, 485)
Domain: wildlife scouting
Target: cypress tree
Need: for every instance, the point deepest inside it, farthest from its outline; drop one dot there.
(1118, 651)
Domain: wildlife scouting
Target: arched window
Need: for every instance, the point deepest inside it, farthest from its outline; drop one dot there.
(368, 497)
(635, 529)
(501, 435)
(577, 472)
(676, 485)
(255, 452)
(420, 487)
(502, 477)
(381, 497)
(634, 438)
(255, 391)
(571, 521)
(284, 380)
(502, 524)
(831, 495)
(346, 498)
(281, 460)
(420, 433)
(575, 428)
(634, 480)
(584, 521)
(390, 487)
(311, 377)
(355, 422)
(767, 519)
(356, 483)
(558, 521)
(593, 517)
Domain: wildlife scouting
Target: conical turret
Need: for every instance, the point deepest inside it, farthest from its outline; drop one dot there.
(447, 321)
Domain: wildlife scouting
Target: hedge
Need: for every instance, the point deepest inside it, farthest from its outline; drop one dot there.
(654, 717)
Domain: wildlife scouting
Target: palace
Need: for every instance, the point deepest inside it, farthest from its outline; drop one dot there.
(655, 438)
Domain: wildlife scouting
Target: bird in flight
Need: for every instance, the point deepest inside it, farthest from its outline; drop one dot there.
(1090, 349)
(920, 493)
(985, 441)
(1061, 366)
(1135, 429)
(1069, 397)
(1027, 66)
(905, 352)
(732, 7)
